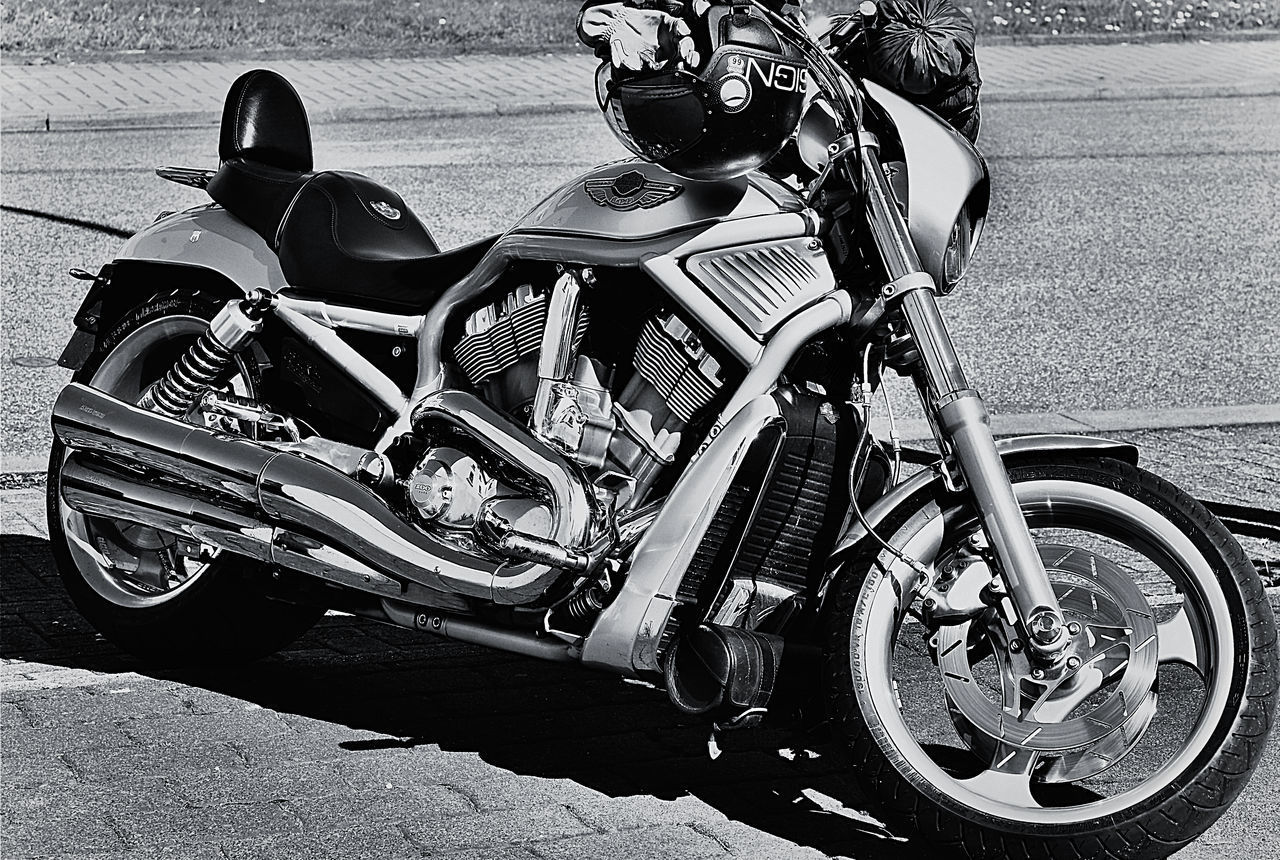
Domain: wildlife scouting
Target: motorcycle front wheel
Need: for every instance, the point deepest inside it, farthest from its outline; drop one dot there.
(1130, 746)
(132, 583)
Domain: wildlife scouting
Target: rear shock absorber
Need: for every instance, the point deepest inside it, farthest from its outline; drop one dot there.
(210, 361)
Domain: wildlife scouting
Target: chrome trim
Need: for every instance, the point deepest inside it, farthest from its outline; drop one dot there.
(192, 177)
(764, 283)
(626, 635)
(300, 494)
(510, 443)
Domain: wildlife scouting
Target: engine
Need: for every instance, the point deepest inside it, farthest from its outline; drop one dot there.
(622, 416)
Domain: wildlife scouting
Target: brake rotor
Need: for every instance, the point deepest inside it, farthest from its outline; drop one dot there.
(1081, 715)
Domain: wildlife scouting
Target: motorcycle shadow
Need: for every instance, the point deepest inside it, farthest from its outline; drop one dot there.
(402, 690)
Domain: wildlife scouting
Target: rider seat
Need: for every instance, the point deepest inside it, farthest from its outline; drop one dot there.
(340, 236)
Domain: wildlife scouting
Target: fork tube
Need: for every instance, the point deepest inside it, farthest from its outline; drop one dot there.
(962, 417)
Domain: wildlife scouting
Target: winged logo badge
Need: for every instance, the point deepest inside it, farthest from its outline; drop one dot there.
(631, 190)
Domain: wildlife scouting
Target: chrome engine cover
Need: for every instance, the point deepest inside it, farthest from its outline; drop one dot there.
(450, 489)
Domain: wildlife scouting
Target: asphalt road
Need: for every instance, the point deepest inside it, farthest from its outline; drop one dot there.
(1128, 262)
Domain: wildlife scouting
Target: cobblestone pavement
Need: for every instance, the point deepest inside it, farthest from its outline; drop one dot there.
(366, 741)
(167, 92)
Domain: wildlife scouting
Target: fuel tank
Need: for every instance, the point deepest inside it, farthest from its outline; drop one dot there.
(634, 200)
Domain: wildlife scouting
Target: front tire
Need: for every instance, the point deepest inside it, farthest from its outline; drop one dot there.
(1166, 736)
(130, 582)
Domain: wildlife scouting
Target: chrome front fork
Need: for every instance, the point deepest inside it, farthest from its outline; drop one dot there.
(961, 419)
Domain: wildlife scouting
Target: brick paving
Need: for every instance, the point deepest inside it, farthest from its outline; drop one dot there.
(166, 92)
(368, 741)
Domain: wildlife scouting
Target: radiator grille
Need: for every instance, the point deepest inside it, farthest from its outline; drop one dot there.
(785, 538)
(764, 284)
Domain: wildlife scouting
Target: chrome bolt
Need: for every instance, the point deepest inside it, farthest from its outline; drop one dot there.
(1015, 645)
(1038, 674)
(1073, 662)
(421, 619)
(1074, 628)
(1046, 627)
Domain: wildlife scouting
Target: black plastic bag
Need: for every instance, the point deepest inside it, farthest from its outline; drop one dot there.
(924, 51)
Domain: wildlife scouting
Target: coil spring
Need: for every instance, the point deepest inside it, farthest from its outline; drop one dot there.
(205, 365)
(586, 604)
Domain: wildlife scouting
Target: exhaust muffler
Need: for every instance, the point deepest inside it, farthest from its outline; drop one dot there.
(280, 507)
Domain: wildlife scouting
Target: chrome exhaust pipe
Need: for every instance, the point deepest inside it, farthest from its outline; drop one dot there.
(249, 485)
(92, 487)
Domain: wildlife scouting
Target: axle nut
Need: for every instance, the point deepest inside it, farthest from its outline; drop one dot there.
(1046, 627)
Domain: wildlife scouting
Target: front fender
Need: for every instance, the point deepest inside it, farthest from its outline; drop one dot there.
(1011, 450)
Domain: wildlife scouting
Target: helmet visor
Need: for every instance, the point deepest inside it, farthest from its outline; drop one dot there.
(655, 115)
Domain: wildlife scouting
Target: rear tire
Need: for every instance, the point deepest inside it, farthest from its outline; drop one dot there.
(223, 610)
(933, 790)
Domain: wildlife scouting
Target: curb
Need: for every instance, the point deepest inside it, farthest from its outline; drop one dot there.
(1104, 421)
(24, 469)
(166, 119)
(162, 119)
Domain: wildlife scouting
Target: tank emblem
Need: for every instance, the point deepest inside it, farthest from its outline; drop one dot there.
(386, 210)
(631, 190)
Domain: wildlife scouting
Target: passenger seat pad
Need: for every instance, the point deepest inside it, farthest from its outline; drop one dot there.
(345, 234)
(258, 194)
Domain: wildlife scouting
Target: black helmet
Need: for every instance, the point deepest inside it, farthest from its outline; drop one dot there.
(724, 121)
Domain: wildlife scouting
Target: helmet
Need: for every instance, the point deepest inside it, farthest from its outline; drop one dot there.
(719, 123)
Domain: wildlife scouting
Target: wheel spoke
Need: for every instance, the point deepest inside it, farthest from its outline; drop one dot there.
(1088, 680)
(1179, 641)
(1009, 777)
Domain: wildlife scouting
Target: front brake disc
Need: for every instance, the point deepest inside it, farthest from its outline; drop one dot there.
(1080, 716)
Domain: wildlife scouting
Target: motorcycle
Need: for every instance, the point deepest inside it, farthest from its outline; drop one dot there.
(634, 433)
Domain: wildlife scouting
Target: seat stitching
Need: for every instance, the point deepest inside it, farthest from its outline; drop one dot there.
(288, 210)
(244, 91)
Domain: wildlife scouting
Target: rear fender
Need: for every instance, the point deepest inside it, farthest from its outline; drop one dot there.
(928, 484)
(205, 248)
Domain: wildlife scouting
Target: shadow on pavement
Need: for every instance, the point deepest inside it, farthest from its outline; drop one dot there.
(530, 718)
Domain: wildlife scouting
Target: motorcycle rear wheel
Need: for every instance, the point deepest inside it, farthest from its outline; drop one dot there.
(979, 775)
(127, 580)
